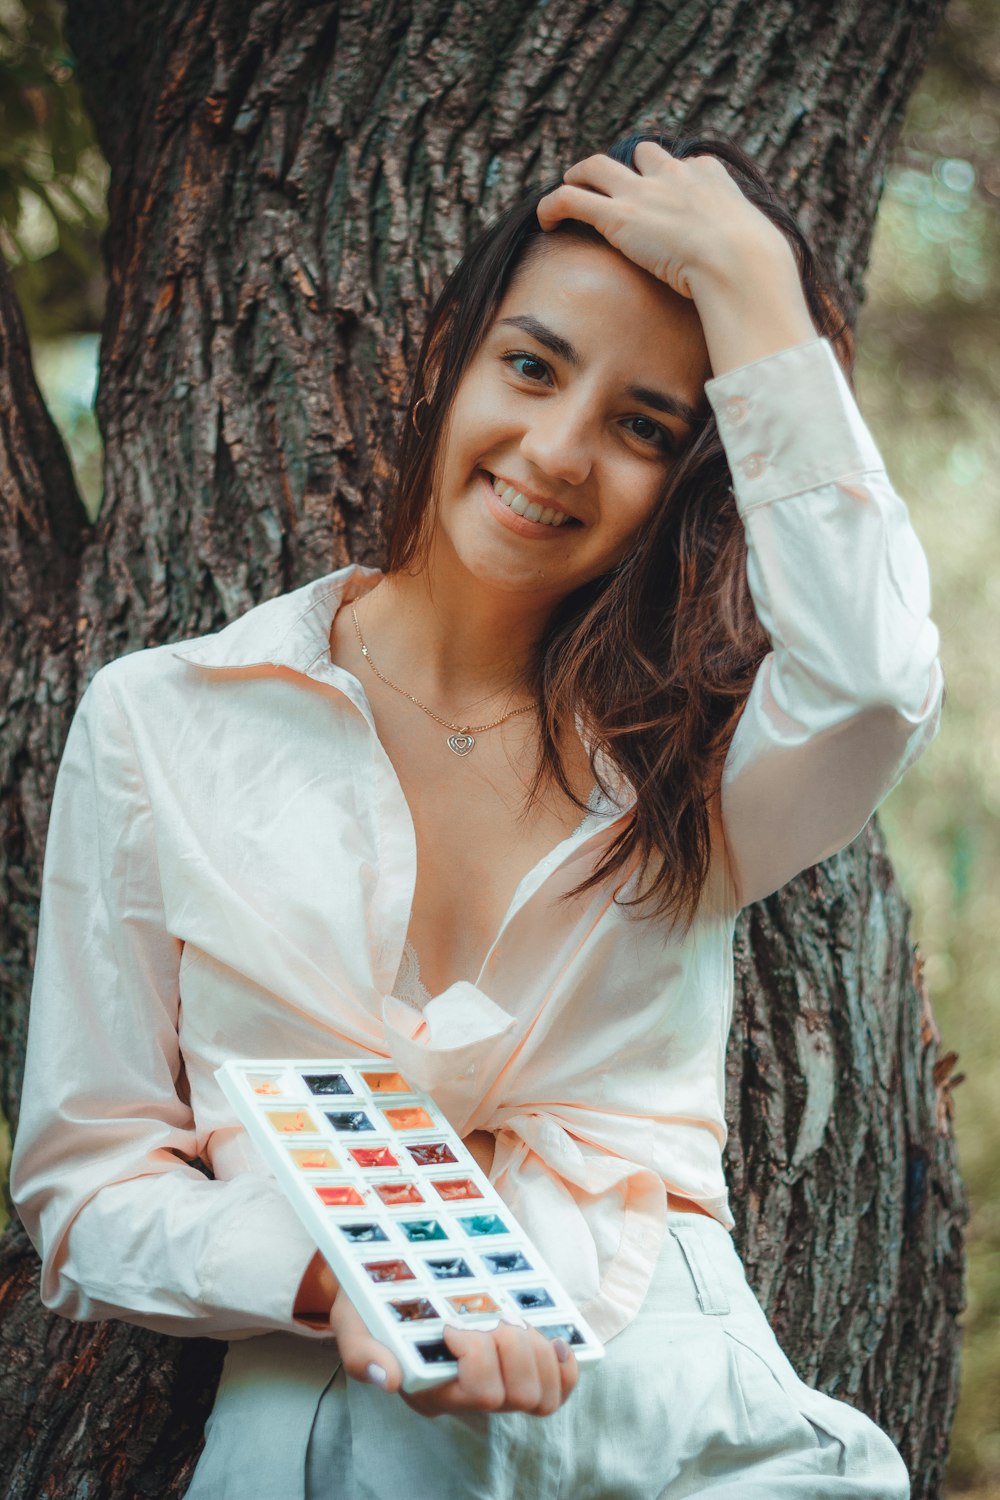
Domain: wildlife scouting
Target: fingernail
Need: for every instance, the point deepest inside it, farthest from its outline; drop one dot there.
(562, 1350)
(513, 1318)
(378, 1376)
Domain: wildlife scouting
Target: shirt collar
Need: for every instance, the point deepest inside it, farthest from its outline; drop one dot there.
(292, 630)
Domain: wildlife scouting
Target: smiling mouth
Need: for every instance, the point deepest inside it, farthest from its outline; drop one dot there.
(522, 507)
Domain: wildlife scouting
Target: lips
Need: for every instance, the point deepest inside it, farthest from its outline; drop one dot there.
(511, 521)
(566, 517)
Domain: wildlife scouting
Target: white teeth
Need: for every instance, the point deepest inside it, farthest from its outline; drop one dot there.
(531, 510)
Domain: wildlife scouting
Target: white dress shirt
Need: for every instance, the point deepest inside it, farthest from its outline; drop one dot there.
(230, 870)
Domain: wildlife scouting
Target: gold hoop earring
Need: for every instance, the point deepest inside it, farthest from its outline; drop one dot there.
(413, 416)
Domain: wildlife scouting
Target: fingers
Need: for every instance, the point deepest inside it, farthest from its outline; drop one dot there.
(520, 1367)
(654, 157)
(589, 186)
(598, 171)
(573, 203)
(604, 173)
(477, 1387)
(533, 1377)
(358, 1350)
(505, 1369)
(480, 1379)
(567, 1370)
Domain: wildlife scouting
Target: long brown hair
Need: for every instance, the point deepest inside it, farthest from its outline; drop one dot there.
(658, 654)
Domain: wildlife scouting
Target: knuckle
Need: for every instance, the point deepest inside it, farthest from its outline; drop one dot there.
(480, 1358)
(530, 1395)
(508, 1333)
(492, 1396)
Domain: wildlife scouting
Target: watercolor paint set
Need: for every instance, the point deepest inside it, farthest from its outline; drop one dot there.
(399, 1207)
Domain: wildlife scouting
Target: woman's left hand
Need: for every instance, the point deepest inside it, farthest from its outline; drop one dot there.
(677, 219)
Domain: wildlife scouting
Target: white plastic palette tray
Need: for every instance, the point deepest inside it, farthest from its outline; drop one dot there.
(399, 1208)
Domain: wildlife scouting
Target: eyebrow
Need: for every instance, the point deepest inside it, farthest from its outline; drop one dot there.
(658, 400)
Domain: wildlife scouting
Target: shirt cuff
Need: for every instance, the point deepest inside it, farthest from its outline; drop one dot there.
(257, 1266)
(789, 423)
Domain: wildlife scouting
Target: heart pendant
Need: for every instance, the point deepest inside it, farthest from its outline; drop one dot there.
(460, 743)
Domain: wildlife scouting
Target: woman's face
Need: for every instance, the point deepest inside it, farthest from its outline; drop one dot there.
(583, 405)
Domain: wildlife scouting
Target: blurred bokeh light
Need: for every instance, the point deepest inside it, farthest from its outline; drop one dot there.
(929, 384)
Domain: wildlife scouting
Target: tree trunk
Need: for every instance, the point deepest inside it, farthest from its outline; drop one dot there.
(291, 182)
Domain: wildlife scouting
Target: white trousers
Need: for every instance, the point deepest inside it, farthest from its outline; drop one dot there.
(694, 1397)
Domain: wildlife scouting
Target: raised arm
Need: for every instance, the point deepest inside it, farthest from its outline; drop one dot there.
(852, 690)
(102, 1174)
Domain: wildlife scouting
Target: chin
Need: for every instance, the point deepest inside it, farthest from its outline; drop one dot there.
(466, 538)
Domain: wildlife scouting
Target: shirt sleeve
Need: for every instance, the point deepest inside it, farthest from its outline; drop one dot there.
(851, 692)
(102, 1170)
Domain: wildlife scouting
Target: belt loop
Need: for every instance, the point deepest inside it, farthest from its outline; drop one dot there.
(711, 1293)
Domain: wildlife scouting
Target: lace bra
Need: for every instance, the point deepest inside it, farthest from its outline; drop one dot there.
(409, 986)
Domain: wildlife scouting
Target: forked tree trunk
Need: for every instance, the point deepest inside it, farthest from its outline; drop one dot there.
(291, 182)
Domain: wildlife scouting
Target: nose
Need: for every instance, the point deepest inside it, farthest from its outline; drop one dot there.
(557, 440)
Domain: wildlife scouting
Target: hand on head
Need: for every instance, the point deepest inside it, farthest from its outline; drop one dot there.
(674, 217)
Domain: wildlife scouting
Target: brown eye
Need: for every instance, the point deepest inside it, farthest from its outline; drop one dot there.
(660, 435)
(538, 363)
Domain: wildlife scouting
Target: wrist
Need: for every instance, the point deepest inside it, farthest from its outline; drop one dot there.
(316, 1293)
(751, 308)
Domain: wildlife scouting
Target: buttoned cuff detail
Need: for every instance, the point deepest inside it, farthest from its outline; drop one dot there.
(789, 423)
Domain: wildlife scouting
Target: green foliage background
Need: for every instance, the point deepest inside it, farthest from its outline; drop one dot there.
(928, 381)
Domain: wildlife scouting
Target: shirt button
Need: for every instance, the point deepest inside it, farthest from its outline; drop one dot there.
(736, 409)
(753, 465)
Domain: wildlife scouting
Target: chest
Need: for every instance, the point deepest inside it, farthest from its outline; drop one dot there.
(476, 836)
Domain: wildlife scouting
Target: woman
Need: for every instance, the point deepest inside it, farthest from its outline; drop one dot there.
(645, 565)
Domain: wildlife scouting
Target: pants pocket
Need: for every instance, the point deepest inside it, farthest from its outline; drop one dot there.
(833, 1438)
(789, 1432)
(713, 1298)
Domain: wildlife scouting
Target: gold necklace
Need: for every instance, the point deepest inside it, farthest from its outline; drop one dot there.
(463, 738)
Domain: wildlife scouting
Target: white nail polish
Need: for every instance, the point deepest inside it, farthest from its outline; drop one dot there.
(514, 1318)
(378, 1376)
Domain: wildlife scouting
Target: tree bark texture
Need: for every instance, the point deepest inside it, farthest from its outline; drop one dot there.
(291, 182)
